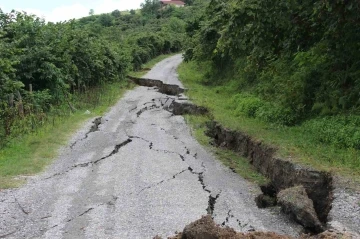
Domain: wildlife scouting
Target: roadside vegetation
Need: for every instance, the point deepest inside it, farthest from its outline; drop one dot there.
(52, 73)
(284, 72)
(297, 143)
(30, 153)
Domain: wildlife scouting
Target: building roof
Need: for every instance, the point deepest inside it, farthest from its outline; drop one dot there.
(173, 2)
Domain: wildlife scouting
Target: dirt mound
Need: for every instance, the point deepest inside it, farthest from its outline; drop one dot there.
(295, 201)
(205, 228)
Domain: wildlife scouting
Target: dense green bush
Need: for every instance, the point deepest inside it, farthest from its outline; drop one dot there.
(341, 131)
(60, 60)
(302, 56)
(276, 114)
(254, 107)
(246, 104)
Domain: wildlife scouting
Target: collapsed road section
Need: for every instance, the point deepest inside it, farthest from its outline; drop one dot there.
(138, 174)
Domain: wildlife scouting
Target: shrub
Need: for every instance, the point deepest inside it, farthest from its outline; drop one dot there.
(272, 113)
(246, 104)
(340, 131)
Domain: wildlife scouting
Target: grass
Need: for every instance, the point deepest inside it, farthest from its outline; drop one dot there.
(293, 143)
(237, 163)
(29, 154)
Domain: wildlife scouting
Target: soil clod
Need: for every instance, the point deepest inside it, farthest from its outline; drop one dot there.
(295, 201)
(206, 228)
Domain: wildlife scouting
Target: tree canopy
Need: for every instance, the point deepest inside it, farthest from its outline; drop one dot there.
(43, 64)
(301, 55)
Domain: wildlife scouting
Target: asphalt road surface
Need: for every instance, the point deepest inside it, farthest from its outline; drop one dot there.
(137, 174)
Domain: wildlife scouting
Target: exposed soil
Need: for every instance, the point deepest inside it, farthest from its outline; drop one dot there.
(167, 89)
(182, 108)
(296, 203)
(282, 173)
(205, 228)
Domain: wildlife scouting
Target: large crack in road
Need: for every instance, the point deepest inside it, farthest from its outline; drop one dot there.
(136, 172)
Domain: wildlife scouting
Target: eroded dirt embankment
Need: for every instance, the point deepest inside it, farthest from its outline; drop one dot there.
(312, 189)
(282, 173)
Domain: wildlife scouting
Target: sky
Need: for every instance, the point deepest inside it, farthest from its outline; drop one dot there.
(61, 10)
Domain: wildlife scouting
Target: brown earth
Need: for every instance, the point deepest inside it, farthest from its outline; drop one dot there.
(205, 228)
(182, 108)
(294, 201)
(167, 89)
(282, 172)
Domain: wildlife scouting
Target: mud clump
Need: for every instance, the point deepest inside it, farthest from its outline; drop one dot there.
(329, 235)
(294, 201)
(205, 228)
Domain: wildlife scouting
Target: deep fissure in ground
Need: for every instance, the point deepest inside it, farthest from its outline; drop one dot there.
(282, 173)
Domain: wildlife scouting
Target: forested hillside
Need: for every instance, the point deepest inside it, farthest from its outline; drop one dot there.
(284, 62)
(46, 67)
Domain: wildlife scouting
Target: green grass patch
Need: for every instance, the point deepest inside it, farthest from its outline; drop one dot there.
(296, 143)
(229, 158)
(29, 154)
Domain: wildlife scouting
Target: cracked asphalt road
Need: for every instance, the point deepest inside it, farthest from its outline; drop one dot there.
(136, 172)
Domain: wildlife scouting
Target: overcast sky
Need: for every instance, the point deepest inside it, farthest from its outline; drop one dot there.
(60, 10)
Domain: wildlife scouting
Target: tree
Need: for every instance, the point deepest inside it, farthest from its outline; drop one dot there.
(59, 60)
(106, 20)
(150, 7)
(116, 13)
